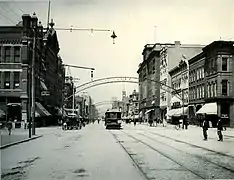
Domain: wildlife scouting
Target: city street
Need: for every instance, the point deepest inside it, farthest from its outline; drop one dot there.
(139, 152)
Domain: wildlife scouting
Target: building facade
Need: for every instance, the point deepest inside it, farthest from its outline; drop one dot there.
(211, 82)
(149, 88)
(170, 56)
(133, 103)
(16, 53)
(179, 82)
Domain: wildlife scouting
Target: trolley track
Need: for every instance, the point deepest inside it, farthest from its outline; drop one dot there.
(165, 155)
(137, 165)
(193, 145)
(200, 157)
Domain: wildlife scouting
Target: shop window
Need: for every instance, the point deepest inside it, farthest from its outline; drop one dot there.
(7, 80)
(16, 80)
(224, 63)
(7, 54)
(224, 87)
(17, 54)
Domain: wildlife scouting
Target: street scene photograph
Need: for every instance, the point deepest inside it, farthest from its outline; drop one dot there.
(116, 90)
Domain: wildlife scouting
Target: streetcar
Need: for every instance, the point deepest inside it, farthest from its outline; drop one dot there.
(113, 118)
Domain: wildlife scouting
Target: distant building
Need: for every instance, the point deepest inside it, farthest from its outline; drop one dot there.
(211, 75)
(134, 103)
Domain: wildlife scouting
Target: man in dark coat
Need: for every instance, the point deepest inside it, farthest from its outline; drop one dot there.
(219, 129)
(205, 127)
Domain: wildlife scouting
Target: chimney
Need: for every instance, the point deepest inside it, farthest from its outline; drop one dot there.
(26, 21)
(177, 44)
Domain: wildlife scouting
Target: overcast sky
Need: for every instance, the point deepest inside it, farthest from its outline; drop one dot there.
(136, 22)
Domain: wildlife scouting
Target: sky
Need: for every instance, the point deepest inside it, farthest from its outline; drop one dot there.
(135, 22)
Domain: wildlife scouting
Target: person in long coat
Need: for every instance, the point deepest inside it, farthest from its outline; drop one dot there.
(205, 127)
(219, 129)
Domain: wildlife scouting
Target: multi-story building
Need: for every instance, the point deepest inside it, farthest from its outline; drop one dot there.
(16, 52)
(133, 103)
(179, 84)
(170, 56)
(68, 92)
(149, 77)
(211, 82)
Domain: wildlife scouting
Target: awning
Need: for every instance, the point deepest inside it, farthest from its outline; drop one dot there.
(180, 111)
(41, 110)
(148, 111)
(172, 112)
(175, 99)
(43, 86)
(209, 108)
(14, 104)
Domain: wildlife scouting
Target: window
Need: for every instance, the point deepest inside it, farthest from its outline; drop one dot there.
(17, 54)
(211, 89)
(16, 80)
(224, 63)
(7, 54)
(203, 90)
(208, 90)
(224, 87)
(215, 88)
(7, 80)
(200, 88)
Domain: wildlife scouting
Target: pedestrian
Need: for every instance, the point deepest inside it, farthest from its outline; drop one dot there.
(205, 127)
(9, 126)
(134, 122)
(220, 129)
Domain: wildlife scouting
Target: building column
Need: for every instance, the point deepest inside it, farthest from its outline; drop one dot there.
(11, 80)
(231, 114)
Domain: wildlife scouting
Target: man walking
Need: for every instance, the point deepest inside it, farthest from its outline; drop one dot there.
(205, 127)
(9, 126)
(219, 129)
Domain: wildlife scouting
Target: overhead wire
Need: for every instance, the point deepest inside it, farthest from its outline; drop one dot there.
(8, 14)
(7, 18)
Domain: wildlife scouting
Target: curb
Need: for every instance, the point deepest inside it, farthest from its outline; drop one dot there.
(18, 142)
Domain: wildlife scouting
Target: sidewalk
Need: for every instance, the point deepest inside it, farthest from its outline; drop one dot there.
(194, 136)
(17, 135)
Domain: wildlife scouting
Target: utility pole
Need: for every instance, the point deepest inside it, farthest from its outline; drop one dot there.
(33, 82)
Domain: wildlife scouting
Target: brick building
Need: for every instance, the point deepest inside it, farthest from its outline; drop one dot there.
(179, 82)
(149, 90)
(15, 66)
(211, 82)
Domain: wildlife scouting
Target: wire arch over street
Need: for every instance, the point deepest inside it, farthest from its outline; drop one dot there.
(120, 79)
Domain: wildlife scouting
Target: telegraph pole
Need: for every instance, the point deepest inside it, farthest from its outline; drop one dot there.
(33, 83)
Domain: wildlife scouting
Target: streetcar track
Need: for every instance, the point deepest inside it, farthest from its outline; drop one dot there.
(176, 140)
(200, 157)
(163, 154)
(143, 174)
